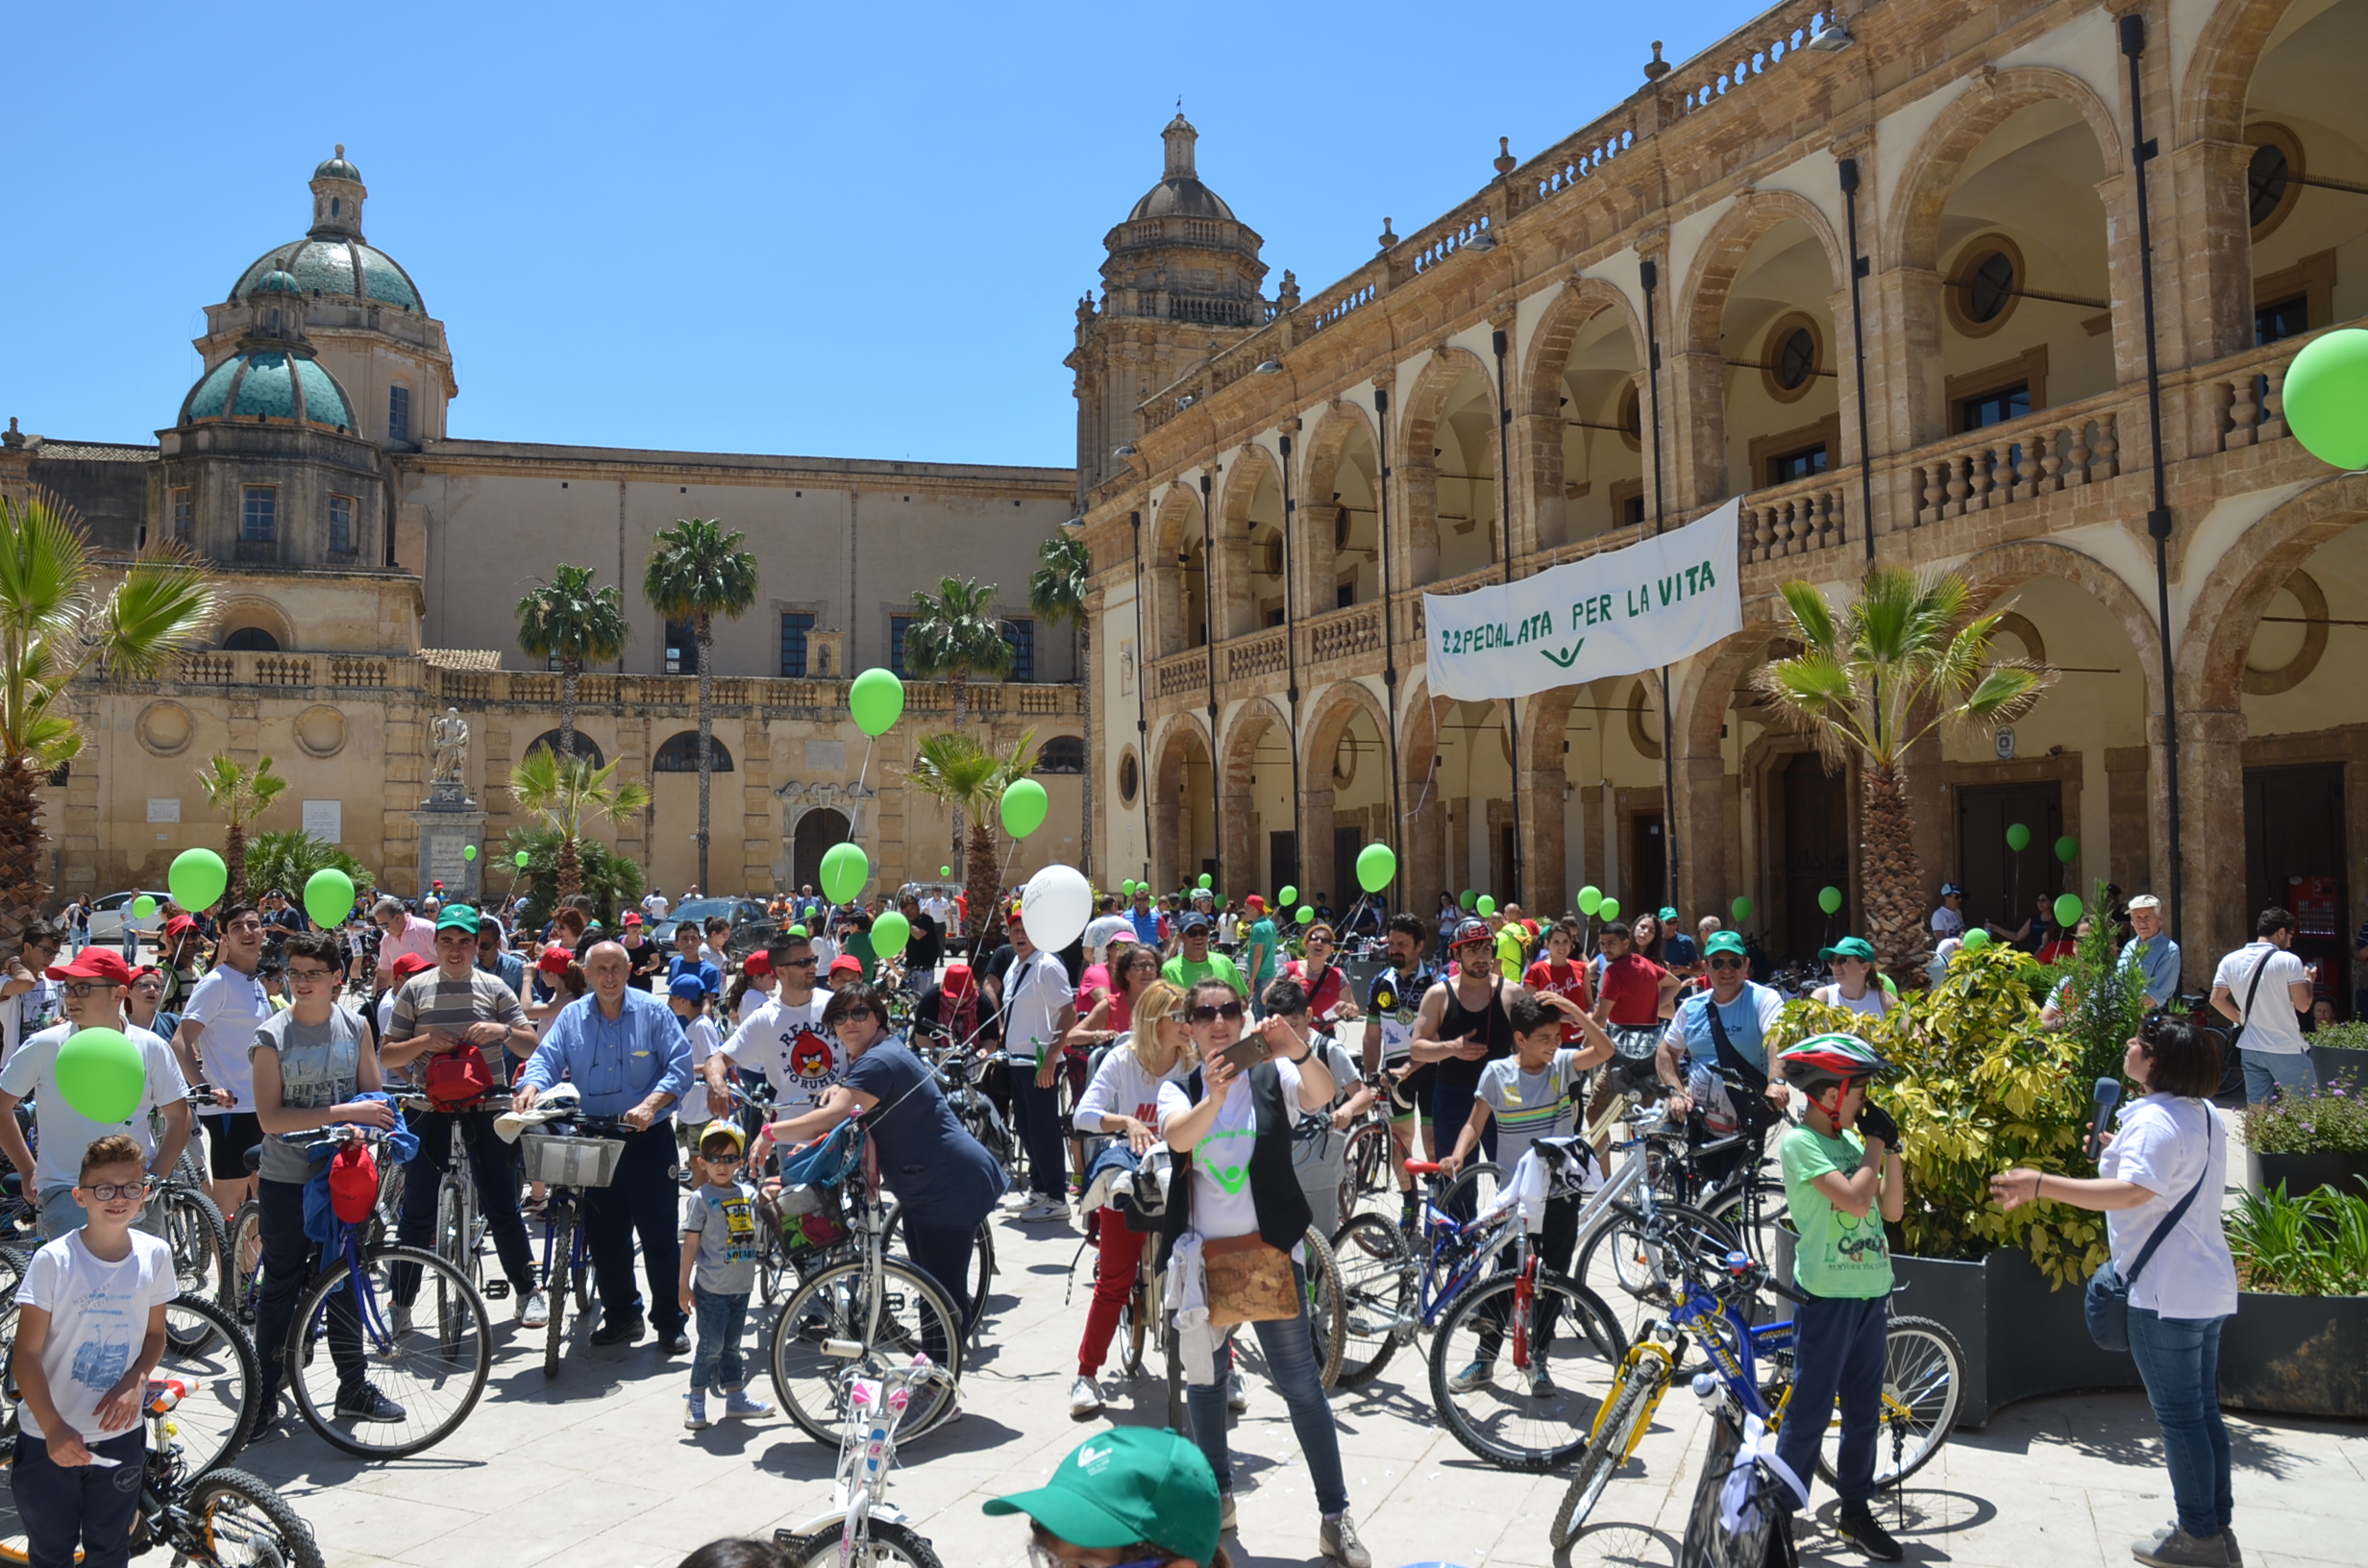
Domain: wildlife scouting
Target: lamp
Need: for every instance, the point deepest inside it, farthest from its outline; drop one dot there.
(1832, 41)
(1127, 451)
(1269, 367)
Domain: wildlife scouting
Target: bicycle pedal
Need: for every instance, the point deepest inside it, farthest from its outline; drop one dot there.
(494, 1289)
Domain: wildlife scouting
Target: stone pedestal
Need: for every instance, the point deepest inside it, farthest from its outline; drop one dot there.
(448, 823)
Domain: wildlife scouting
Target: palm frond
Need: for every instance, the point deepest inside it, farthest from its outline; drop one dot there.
(570, 619)
(956, 632)
(696, 569)
(1057, 590)
(1811, 615)
(164, 605)
(45, 579)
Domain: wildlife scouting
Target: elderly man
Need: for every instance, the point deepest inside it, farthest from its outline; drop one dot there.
(403, 935)
(628, 1058)
(2150, 951)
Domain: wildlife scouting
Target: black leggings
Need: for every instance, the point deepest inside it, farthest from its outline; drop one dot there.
(1557, 1240)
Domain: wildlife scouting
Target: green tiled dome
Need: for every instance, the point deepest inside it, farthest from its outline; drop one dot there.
(276, 281)
(269, 384)
(338, 168)
(344, 267)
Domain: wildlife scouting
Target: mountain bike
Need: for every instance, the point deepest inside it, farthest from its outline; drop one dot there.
(1396, 1285)
(860, 1526)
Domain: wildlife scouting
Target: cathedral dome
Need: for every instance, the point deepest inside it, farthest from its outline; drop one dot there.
(1179, 193)
(269, 384)
(335, 265)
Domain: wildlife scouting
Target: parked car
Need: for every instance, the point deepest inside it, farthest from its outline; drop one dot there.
(751, 925)
(108, 915)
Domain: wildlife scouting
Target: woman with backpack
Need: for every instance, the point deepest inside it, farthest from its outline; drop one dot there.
(1122, 1101)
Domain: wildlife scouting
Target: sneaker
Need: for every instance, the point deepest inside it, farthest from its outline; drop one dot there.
(2228, 1538)
(678, 1342)
(1475, 1375)
(741, 1405)
(365, 1403)
(694, 1413)
(534, 1311)
(1541, 1382)
(1338, 1540)
(1858, 1527)
(2172, 1547)
(1044, 1209)
(1084, 1399)
(1226, 1522)
(1237, 1396)
(402, 1321)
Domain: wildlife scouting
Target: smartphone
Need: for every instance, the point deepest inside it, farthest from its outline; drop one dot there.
(1247, 1052)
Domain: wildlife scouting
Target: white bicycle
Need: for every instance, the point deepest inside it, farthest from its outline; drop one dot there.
(861, 1529)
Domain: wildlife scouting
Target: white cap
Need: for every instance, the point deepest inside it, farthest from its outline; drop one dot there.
(2145, 901)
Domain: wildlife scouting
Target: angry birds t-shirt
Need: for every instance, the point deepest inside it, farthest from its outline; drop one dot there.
(790, 1047)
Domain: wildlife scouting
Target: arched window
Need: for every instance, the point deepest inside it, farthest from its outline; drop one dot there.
(251, 640)
(1061, 755)
(680, 756)
(585, 747)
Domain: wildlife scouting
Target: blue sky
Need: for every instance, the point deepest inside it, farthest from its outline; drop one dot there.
(832, 230)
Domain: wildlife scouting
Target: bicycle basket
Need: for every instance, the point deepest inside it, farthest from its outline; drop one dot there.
(570, 1162)
(825, 1162)
(805, 1216)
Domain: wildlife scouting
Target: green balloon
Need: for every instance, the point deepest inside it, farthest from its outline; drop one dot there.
(1024, 804)
(101, 1074)
(2068, 910)
(1829, 899)
(2067, 849)
(876, 699)
(468, 851)
(197, 879)
(2327, 398)
(1306, 915)
(2019, 838)
(890, 932)
(1741, 908)
(1289, 896)
(1469, 898)
(1590, 899)
(1376, 866)
(797, 931)
(1608, 908)
(944, 870)
(845, 871)
(143, 907)
(329, 898)
(521, 858)
(1206, 880)
(1976, 940)
(1485, 904)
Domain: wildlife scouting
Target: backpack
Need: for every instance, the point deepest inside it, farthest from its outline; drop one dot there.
(457, 1077)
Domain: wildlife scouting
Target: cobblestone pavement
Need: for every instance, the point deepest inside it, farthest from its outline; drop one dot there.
(594, 1470)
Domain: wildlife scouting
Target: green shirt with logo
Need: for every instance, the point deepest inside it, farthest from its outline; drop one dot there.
(1841, 1255)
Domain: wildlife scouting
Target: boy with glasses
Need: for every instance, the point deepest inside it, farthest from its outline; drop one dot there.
(719, 1270)
(94, 985)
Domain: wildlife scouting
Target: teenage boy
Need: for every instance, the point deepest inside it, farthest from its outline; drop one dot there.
(1843, 1182)
(217, 1029)
(89, 1330)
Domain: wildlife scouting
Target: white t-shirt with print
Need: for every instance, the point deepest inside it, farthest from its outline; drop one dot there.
(229, 1007)
(1035, 992)
(2273, 1026)
(1120, 1087)
(66, 1132)
(98, 1316)
(790, 1047)
(1222, 1201)
(1948, 922)
(2163, 1144)
(756, 998)
(1874, 1002)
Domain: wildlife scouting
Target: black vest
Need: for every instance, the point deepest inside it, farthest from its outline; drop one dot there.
(1283, 1213)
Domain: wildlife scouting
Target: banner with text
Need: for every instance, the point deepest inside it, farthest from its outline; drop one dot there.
(1649, 604)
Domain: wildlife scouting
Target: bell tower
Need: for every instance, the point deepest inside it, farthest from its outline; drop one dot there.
(337, 195)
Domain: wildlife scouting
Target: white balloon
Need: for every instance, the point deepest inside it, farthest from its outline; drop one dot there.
(1054, 907)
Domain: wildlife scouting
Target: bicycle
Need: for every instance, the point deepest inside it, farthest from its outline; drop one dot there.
(860, 1526)
(1388, 1292)
(568, 1154)
(460, 1222)
(201, 1514)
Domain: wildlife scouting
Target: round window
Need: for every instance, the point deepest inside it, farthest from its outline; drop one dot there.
(2267, 180)
(1130, 778)
(1990, 287)
(1796, 359)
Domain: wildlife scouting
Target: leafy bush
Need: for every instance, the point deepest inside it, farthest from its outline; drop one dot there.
(2342, 1037)
(2314, 1246)
(1981, 1087)
(2106, 999)
(286, 861)
(2333, 1121)
(610, 880)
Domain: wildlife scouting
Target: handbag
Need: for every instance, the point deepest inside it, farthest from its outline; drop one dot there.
(1248, 1281)
(457, 1077)
(2106, 1305)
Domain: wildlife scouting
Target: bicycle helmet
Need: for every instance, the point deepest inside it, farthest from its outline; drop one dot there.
(1823, 1059)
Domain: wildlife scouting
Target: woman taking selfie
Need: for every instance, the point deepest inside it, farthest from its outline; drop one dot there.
(1242, 1214)
(2159, 1185)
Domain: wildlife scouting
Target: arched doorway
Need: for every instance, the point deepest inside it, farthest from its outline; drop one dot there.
(816, 832)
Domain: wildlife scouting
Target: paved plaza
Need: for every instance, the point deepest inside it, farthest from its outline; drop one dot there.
(594, 1470)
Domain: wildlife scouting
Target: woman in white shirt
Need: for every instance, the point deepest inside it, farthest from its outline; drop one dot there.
(1855, 987)
(1122, 1101)
(2169, 1144)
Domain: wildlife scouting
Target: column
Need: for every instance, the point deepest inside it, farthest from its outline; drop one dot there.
(2211, 833)
(1544, 893)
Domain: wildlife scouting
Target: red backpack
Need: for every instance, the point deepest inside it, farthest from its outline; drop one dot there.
(459, 1077)
(353, 1183)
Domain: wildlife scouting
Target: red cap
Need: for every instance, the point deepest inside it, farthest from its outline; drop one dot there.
(1255, 902)
(144, 971)
(555, 960)
(410, 965)
(757, 963)
(178, 925)
(632, 918)
(847, 962)
(94, 963)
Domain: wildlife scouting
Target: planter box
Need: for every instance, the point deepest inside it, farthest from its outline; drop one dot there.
(2334, 1061)
(2306, 1172)
(2297, 1354)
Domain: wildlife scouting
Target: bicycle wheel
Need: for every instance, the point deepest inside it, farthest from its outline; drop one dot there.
(1133, 1331)
(452, 1230)
(1763, 1540)
(1608, 1446)
(435, 1373)
(1522, 1388)
(243, 1274)
(1326, 1311)
(1923, 1388)
(562, 1243)
(1376, 1295)
(193, 1229)
(1620, 1258)
(1369, 1170)
(889, 1544)
(772, 1262)
(581, 1280)
(13, 1264)
(244, 1520)
(1752, 1218)
(1472, 1190)
(982, 1276)
(828, 1314)
(207, 1354)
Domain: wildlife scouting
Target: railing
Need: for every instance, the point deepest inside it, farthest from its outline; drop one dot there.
(1045, 699)
(282, 670)
(1326, 310)
(1748, 54)
(1344, 635)
(1564, 169)
(2252, 388)
(1254, 656)
(209, 668)
(346, 671)
(461, 685)
(1460, 230)
(2058, 449)
(1184, 673)
(1792, 519)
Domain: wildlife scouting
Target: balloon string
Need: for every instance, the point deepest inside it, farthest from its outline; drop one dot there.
(854, 812)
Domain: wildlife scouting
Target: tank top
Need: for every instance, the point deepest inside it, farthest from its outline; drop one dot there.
(1487, 1023)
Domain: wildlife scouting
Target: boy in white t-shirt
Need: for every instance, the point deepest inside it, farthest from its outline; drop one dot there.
(90, 1328)
(686, 994)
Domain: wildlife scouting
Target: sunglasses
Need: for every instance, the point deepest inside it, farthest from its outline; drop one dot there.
(1724, 961)
(720, 1158)
(857, 1014)
(1230, 1012)
(109, 1192)
(1041, 1556)
(805, 963)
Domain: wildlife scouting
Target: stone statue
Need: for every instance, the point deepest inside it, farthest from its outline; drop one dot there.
(450, 736)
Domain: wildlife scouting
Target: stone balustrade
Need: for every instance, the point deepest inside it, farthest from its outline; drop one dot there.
(2058, 449)
(1250, 657)
(1794, 519)
(1344, 635)
(1182, 675)
(2249, 391)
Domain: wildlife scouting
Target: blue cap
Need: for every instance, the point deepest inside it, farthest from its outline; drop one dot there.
(688, 988)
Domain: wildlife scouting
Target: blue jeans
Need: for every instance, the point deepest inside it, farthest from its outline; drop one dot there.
(715, 1362)
(1839, 1352)
(1037, 1114)
(1289, 1345)
(2180, 1359)
(90, 1505)
(2268, 1071)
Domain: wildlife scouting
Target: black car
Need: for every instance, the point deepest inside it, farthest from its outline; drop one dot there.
(751, 925)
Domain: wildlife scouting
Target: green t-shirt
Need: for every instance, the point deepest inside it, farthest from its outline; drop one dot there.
(858, 944)
(1262, 937)
(1176, 971)
(1841, 1255)
(1512, 954)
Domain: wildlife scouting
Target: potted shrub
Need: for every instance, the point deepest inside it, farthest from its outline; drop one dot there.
(2299, 1343)
(2303, 1142)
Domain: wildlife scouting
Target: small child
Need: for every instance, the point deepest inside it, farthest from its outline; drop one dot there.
(89, 1330)
(719, 1270)
(687, 996)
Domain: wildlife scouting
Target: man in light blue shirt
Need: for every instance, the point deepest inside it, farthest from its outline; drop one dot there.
(628, 1058)
(2151, 950)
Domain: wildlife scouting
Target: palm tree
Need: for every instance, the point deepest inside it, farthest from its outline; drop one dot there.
(1057, 591)
(954, 636)
(568, 620)
(240, 794)
(1900, 663)
(957, 769)
(612, 881)
(696, 572)
(567, 793)
(55, 621)
(287, 859)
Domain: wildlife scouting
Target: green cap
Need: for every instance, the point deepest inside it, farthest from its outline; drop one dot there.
(457, 917)
(1849, 947)
(1667, 914)
(1124, 1485)
(1724, 941)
